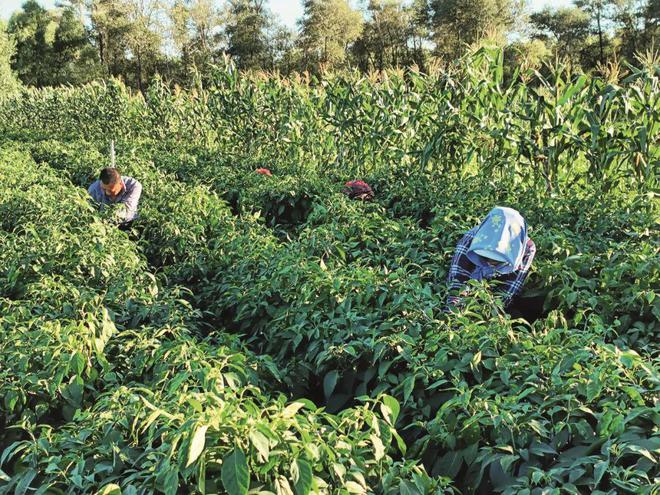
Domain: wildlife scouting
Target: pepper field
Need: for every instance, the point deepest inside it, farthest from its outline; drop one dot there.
(261, 335)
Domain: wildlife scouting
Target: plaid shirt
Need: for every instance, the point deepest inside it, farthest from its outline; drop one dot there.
(461, 268)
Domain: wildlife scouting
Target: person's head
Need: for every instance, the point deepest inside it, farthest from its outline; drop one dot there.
(111, 182)
(358, 189)
(491, 261)
(500, 240)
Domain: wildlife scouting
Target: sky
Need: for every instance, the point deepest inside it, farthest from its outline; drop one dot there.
(288, 10)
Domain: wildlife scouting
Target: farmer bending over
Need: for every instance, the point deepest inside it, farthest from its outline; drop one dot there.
(115, 189)
(497, 249)
(357, 189)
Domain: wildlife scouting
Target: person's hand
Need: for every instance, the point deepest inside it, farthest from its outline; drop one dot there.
(119, 214)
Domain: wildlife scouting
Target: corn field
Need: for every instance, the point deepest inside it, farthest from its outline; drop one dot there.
(454, 122)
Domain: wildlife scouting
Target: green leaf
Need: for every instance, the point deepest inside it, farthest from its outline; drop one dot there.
(498, 476)
(628, 358)
(399, 441)
(201, 477)
(407, 488)
(476, 359)
(525, 393)
(77, 363)
(537, 476)
(542, 448)
(301, 472)
(448, 465)
(197, 444)
(594, 386)
(73, 392)
(171, 482)
(507, 461)
(329, 383)
(111, 489)
(642, 451)
(235, 474)
(24, 484)
(282, 486)
(354, 487)
(505, 448)
(12, 450)
(572, 90)
(599, 470)
(408, 386)
(261, 443)
(575, 474)
(196, 405)
(11, 399)
(390, 408)
(292, 409)
(379, 448)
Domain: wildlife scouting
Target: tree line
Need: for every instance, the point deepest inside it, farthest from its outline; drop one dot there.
(180, 40)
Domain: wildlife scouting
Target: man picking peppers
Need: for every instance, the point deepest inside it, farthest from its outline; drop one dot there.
(112, 188)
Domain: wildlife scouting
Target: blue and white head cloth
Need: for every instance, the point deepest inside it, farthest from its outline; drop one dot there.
(502, 237)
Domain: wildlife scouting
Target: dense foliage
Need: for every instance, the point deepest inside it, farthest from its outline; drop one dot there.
(266, 334)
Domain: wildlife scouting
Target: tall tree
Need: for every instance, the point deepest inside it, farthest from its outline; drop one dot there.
(457, 24)
(80, 7)
(110, 26)
(8, 81)
(33, 29)
(53, 47)
(246, 28)
(144, 39)
(599, 11)
(281, 42)
(631, 18)
(420, 31)
(196, 27)
(565, 30)
(130, 37)
(651, 23)
(75, 59)
(384, 39)
(327, 30)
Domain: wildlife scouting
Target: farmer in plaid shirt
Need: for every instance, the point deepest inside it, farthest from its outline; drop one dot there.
(497, 249)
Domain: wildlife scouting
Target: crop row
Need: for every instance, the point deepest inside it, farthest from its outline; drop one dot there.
(349, 301)
(108, 385)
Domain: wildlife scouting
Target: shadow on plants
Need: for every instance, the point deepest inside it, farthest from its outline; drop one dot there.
(288, 210)
(283, 209)
(232, 197)
(530, 305)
